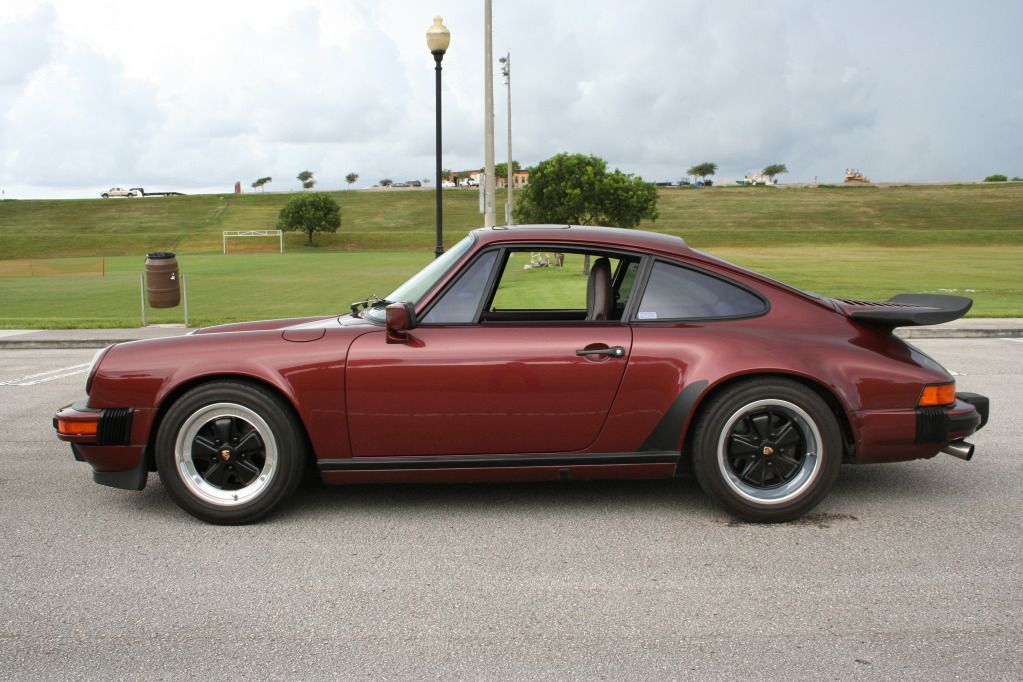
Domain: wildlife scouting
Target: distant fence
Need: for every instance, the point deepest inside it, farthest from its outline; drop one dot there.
(53, 267)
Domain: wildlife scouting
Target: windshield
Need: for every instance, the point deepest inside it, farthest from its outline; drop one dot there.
(413, 290)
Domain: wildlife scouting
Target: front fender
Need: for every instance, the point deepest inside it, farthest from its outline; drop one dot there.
(310, 375)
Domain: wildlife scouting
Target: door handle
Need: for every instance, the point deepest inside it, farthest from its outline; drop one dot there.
(613, 351)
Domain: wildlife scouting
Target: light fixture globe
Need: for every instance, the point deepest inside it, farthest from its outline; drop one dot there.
(438, 37)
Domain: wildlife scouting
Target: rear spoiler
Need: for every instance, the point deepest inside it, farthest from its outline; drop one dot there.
(906, 310)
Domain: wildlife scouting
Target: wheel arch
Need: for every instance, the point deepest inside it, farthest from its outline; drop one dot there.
(825, 393)
(184, 387)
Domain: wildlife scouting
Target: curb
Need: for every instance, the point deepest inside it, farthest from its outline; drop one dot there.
(38, 344)
(925, 333)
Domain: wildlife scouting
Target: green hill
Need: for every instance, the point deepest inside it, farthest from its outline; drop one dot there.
(396, 220)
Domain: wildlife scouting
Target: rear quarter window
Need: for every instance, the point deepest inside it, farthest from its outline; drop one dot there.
(674, 292)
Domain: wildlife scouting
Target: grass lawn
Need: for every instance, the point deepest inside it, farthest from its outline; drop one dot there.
(220, 289)
(252, 286)
(865, 242)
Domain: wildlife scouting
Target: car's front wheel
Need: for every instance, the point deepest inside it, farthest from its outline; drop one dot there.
(230, 452)
(767, 450)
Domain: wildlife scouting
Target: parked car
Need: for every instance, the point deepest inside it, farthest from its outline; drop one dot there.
(447, 184)
(119, 192)
(470, 182)
(480, 368)
(414, 183)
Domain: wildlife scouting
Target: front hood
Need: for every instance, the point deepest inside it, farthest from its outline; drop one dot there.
(327, 322)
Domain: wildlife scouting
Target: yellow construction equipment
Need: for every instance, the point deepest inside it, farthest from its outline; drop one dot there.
(853, 176)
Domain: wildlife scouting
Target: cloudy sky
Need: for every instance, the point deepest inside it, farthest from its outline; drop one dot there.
(193, 96)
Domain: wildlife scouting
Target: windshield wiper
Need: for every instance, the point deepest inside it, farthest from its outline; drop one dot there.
(373, 301)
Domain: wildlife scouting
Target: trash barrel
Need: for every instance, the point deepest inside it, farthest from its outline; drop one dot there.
(163, 283)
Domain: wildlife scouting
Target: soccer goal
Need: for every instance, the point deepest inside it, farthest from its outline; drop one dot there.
(228, 234)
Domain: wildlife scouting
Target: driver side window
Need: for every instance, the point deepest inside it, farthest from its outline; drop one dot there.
(539, 286)
(558, 285)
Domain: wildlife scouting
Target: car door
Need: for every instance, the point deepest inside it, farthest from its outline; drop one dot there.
(479, 388)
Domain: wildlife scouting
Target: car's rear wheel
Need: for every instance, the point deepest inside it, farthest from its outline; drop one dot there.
(767, 450)
(230, 452)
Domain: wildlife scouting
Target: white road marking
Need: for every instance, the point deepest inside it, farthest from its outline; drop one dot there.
(43, 377)
(1013, 339)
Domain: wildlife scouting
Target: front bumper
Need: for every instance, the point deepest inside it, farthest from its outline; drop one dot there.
(79, 423)
(111, 440)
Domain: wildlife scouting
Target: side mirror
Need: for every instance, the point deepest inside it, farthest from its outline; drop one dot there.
(401, 318)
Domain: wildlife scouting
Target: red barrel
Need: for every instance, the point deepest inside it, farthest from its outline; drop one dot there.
(163, 282)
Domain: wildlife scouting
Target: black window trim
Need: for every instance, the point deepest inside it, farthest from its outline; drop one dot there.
(498, 268)
(693, 320)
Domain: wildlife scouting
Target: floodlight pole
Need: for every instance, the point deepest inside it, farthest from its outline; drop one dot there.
(506, 72)
(489, 181)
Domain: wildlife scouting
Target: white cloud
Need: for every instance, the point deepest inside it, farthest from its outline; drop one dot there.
(196, 95)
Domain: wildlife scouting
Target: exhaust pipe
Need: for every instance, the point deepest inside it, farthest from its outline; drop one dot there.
(960, 449)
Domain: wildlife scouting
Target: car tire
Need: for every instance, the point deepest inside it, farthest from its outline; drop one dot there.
(230, 452)
(105, 195)
(767, 450)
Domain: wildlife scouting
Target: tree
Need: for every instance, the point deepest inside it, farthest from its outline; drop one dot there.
(310, 213)
(501, 169)
(702, 170)
(775, 169)
(258, 184)
(997, 177)
(575, 189)
(386, 182)
(351, 178)
(306, 178)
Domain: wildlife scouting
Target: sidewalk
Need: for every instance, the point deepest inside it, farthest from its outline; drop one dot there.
(976, 328)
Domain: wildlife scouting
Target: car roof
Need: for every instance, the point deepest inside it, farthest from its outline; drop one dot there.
(583, 234)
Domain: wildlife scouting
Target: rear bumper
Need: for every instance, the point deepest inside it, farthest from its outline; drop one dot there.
(112, 441)
(945, 424)
(900, 435)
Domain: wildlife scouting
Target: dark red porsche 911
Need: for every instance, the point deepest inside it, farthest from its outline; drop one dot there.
(501, 361)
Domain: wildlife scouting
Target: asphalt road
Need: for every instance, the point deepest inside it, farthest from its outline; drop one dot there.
(906, 571)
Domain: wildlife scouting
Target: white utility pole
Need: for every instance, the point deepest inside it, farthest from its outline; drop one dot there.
(490, 192)
(506, 72)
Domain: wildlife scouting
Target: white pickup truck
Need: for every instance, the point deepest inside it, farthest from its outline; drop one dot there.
(118, 192)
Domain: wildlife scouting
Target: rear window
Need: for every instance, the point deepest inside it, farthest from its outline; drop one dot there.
(677, 293)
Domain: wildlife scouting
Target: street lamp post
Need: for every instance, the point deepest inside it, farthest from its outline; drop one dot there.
(506, 72)
(437, 39)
